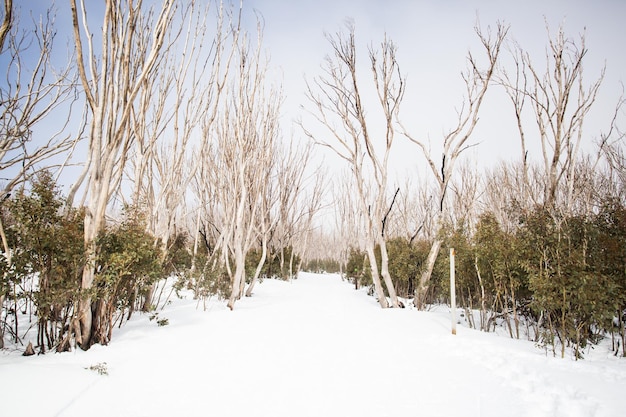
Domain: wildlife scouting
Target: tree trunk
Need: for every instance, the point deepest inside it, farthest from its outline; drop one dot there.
(259, 267)
(1, 324)
(238, 244)
(622, 331)
(147, 306)
(384, 271)
(291, 276)
(240, 269)
(483, 305)
(282, 262)
(94, 224)
(422, 288)
(378, 288)
(7, 255)
(111, 83)
(82, 324)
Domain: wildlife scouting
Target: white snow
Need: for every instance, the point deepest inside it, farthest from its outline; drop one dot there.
(310, 347)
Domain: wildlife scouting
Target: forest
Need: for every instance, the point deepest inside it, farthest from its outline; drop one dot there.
(166, 117)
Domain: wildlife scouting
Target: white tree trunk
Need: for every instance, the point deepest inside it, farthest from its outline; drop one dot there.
(258, 269)
(384, 271)
(339, 97)
(477, 83)
(423, 284)
(110, 94)
(378, 288)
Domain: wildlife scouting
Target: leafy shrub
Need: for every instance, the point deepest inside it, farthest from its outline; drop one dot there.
(358, 269)
(128, 263)
(46, 244)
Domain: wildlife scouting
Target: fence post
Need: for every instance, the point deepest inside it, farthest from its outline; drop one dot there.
(452, 292)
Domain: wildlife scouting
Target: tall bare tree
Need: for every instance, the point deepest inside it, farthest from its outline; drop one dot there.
(171, 114)
(339, 106)
(207, 180)
(31, 94)
(33, 91)
(466, 193)
(348, 222)
(281, 192)
(613, 149)
(112, 76)
(560, 101)
(310, 203)
(246, 134)
(509, 191)
(199, 75)
(290, 177)
(477, 82)
(266, 218)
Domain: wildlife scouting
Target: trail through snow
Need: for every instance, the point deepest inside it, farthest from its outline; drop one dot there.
(310, 347)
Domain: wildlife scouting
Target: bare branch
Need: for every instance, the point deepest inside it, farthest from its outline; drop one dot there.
(477, 82)
(339, 108)
(30, 97)
(7, 22)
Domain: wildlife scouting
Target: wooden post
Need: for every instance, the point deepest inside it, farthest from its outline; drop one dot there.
(452, 292)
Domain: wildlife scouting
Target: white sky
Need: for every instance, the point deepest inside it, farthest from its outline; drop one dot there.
(433, 38)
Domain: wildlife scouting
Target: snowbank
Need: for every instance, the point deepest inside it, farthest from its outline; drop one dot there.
(312, 347)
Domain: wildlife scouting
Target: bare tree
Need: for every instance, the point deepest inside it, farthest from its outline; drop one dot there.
(412, 217)
(560, 100)
(348, 221)
(310, 203)
(207, 180)
(279, 216)
(174, 110)
(209, 223)
(199, 78)
(477, 82)
(290, 176)
(337, 95)
(246, 133)
(509, 191)
(467, 191)
(33, 91)
(611, 146)
(266, 218)
(188, 95)
(112, 77)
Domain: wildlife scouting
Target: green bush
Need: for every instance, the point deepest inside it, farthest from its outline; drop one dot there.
(128, 263)
(47, 256)
(332, 266)
(358, 269)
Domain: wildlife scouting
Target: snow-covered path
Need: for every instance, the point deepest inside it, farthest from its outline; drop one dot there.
(313, 347)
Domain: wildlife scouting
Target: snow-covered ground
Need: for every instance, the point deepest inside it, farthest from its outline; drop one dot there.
(311, 347)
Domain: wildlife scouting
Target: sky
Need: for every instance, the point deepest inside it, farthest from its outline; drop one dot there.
(433, 39)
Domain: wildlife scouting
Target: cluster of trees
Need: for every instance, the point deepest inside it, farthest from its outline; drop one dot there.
(538, 240)
(179, 125)
(558, 281)
(43, 278)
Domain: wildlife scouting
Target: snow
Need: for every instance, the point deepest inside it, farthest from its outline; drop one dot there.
(310, 347)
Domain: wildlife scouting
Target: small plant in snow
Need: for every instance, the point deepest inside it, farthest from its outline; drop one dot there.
(160, 322)
(100, 368)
